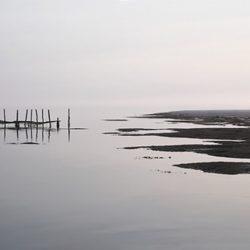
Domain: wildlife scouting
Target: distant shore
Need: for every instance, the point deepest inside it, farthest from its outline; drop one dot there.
(209, 117)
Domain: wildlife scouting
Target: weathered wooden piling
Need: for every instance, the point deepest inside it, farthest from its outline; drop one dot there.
(69, 125)
(4, 119)
(17, 122)
(42, 117)
(31, 114)
(49, 118)
(26, 118)
(57, 124)
(36, 118)
(28, 122)
(4, 116)
(68, 118)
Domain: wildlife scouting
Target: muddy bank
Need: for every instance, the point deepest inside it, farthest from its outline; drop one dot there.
(237, 144)
(229, 142)
(115, 120)
(195, 133)
(128, 130)
(225, 149)
(230, 168)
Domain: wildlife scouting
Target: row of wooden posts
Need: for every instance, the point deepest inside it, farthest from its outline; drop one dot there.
(30, 123)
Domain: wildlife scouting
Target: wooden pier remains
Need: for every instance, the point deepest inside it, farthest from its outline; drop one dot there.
(31, 125)
(23, 124)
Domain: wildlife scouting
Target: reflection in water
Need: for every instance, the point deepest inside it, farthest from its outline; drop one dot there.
(31, 134)
(36, 133)
(43, 134)
(28, 134)
(4, 133)
(17, 134)
(49, 130)
(68, 134)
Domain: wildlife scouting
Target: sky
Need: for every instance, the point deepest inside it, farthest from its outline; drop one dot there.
(180, 54)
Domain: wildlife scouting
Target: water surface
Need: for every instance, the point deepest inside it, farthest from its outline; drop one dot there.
(88, 193)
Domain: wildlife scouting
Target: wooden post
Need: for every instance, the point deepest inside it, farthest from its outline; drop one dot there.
(68, 118)
(26, 118)
(42, 116)
(4, 119)
(31, 114)
(4, 116)
(57, 124)
(36, 118)
(69, 125)
(17, 123)
(42, 119)
(49, 118)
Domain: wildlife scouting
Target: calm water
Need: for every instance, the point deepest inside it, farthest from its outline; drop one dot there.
(90, 194)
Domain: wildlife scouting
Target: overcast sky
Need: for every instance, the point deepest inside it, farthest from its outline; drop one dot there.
(176, 53)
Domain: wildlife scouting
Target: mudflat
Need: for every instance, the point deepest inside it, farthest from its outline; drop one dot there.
(231, 142)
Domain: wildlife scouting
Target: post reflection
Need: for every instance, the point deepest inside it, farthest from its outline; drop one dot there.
(68, 135)
(30, 135)
(4, 136)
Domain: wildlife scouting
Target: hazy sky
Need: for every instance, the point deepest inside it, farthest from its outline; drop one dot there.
(176, 53)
